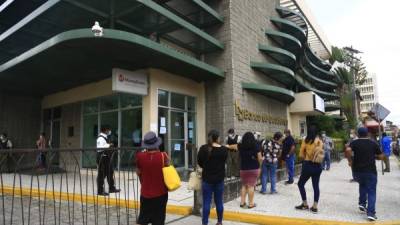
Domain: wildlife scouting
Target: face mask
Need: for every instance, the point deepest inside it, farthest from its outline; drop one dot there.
(231, 135)
(109, 132)
(2, 138)
(351, 135)
(324, 135)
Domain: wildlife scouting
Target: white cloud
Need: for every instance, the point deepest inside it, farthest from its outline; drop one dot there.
(372, 27)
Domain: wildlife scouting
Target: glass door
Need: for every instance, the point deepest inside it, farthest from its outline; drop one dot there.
(177, 138)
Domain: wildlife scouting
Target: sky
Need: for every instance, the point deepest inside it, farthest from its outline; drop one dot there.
(373, 27)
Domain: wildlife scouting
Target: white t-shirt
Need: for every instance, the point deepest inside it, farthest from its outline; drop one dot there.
(101, 142)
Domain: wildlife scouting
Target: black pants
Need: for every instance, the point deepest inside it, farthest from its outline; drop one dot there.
(313, 171)
(152, 210)
(105, 169)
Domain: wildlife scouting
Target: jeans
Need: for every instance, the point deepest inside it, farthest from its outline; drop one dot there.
(367, 187)
(208, 190)
(313, 171)
(268, 173)
(290, 167)
(326, 164)
(386, 160)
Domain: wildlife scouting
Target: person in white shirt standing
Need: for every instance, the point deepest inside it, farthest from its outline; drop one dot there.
(104, 166)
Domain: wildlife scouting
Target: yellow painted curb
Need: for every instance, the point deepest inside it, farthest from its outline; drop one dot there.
(88, 199)
(278, 220)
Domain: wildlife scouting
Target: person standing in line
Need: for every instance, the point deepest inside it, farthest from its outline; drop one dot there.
(105, 168)
(386, 146)
(272, 151)
(250, 158)
(153, 192)
(232, 142)
(41, 145)
(289, 155)
(353, 136)
(5, 143)
(361, 155)
(212, 158)
(310, 169)
(328, 147)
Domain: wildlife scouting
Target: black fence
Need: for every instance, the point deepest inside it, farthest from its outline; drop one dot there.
(58, 186)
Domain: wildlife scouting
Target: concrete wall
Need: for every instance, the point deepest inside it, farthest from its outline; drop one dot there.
(244, 28)
(20, 118)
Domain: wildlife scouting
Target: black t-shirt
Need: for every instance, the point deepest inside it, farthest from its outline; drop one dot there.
(248, 158)
(365, 151)
(213, 163)
(287, 144)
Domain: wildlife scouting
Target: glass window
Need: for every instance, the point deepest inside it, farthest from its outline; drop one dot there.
(130, 100)
(177, 101)
(191, 101)
(90, 133)
(131, 135)
(90, 106)
(163, 127)
(109, 103)
(162, 98)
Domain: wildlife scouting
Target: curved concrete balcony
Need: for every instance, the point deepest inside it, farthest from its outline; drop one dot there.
(286, 41)
(282, 56)
(291, 28)
(279, 73)
(277, 93)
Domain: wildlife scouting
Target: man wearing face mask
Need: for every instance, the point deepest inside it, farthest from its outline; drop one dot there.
(328, 146)
(232, 142)
(104, 166)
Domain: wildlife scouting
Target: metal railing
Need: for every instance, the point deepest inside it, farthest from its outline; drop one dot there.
(58, 186)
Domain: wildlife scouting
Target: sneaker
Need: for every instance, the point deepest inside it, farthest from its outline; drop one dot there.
(362, 209)
(274, 192)
(302, 207)
(263, 192)
(103, 193)
(289, 182)
(114, 190)
(372, 218)
(314, 210)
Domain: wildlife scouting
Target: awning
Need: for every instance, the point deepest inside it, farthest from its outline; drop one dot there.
(21, 32)
(332, 106)
(282, 56)
(321, 73)
(76, 57)
(286, 41)
(277, 93)
(279, 73)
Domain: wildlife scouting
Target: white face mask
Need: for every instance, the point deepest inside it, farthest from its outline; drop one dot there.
(324, 135)
(2, 138)
(109, 132)
(351, 135)
(231, 135)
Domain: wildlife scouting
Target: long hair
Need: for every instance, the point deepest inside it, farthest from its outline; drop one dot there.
(248, 141)
(311, 135)
(213, 136)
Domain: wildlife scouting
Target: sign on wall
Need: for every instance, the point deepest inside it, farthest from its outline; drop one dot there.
(319, 103)
(132, 82)
(244, 114)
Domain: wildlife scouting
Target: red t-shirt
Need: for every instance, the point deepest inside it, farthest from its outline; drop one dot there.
(151, 177)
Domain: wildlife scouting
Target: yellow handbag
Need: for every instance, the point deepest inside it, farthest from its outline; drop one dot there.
(171, 176)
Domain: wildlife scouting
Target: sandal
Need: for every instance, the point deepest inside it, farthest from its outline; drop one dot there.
(252, 206)
(243, 205)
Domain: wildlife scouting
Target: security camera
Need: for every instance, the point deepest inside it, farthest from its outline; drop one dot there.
(97, 29)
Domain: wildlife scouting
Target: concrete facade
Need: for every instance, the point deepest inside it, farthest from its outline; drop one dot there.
(243, 29)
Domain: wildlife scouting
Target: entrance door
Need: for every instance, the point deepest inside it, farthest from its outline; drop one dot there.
(178, 138)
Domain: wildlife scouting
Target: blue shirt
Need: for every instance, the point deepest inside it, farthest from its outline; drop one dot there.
(385, 143)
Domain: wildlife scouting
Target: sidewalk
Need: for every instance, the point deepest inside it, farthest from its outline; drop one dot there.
(338, 200)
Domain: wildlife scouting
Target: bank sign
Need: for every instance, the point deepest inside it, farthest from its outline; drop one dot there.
(132, 82)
